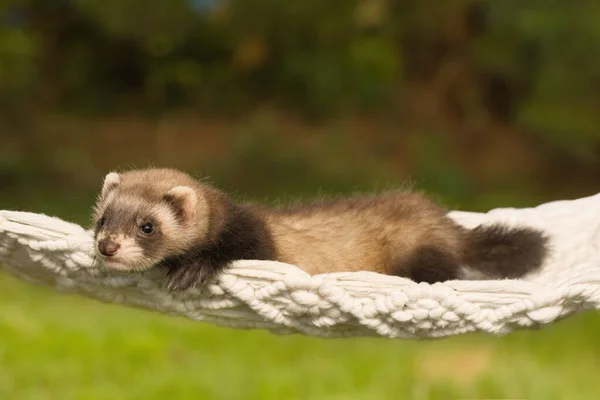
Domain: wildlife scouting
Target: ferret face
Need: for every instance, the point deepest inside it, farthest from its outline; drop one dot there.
(140, 221)
(130, 237)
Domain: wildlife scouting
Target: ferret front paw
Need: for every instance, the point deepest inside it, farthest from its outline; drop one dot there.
(186, 277)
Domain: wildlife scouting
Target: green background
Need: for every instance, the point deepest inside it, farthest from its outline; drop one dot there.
(482, 104)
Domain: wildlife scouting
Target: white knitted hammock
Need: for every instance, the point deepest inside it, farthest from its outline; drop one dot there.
(283, 299)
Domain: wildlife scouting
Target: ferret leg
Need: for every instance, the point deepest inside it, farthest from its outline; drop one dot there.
(430, 264)
(186, 276)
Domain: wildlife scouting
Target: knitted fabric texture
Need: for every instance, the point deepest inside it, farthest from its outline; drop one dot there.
(283, 299)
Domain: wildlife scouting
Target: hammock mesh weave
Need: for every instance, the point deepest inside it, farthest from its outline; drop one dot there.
(283, 299)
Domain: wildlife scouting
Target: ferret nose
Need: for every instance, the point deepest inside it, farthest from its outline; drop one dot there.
(108, 248)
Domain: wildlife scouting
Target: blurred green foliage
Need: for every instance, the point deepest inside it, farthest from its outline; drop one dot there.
(549, 51)
(522, 76)
(481, 103)
(533, 65)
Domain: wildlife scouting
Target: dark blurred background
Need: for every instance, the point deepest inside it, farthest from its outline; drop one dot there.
(482, 103)
(472, 99)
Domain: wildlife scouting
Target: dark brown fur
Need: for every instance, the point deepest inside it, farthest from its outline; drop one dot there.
(242, 235)
(395, 233)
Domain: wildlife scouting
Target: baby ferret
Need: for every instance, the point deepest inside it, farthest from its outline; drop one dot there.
(164, 218)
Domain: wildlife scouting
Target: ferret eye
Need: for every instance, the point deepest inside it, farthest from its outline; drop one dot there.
(147, 228)
(101, 221)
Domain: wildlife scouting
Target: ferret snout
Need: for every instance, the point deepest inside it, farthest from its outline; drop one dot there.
(108, 248)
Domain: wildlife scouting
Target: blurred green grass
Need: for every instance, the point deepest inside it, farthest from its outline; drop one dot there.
(501, 133)
(56, 346)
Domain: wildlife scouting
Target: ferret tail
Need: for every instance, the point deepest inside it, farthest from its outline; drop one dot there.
(498, 252)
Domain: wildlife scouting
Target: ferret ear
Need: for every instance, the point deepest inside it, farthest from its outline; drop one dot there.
(111, 181)
(183, 200)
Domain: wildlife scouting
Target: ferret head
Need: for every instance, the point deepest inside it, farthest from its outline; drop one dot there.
(144, 216)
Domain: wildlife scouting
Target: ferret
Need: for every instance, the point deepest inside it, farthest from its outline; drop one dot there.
(164, 218)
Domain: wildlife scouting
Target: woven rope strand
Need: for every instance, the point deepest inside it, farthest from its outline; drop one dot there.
(283, 299)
